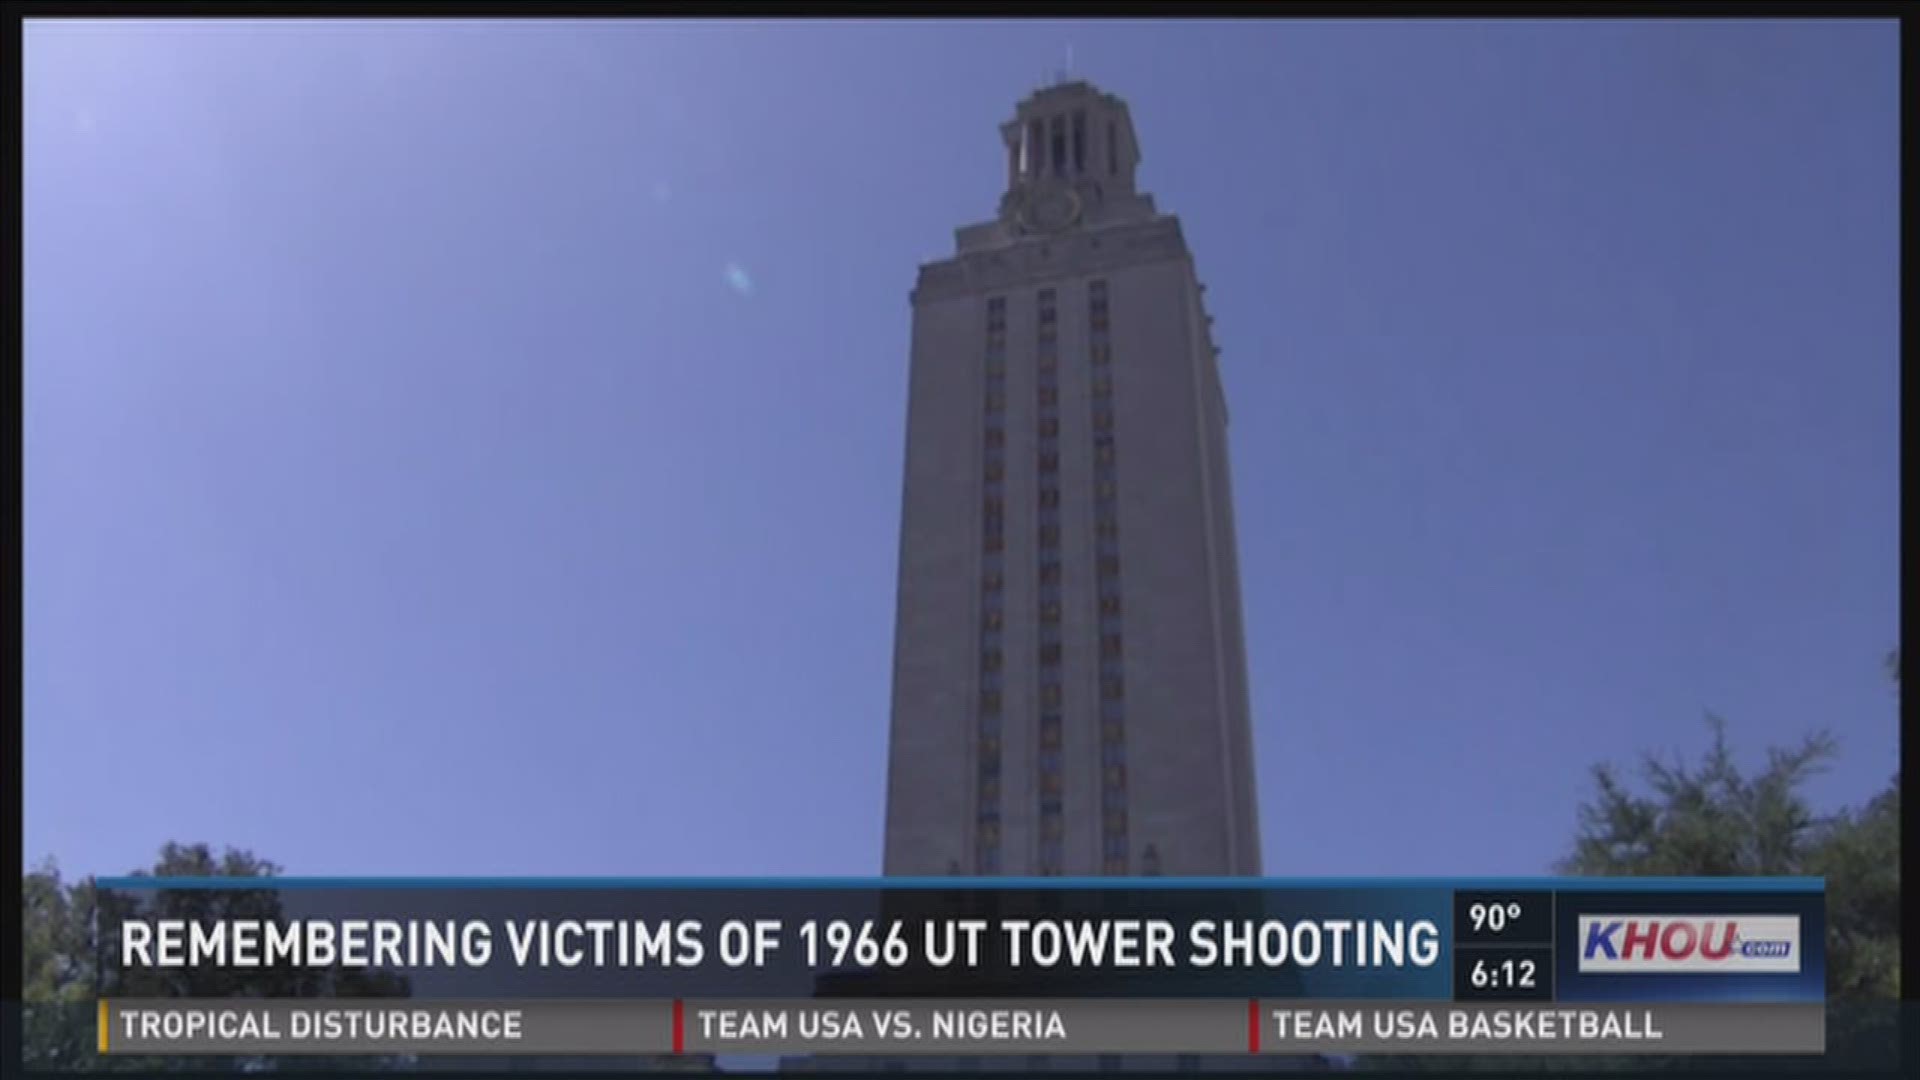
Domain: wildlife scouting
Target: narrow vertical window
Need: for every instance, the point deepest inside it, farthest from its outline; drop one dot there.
(1113, 149)
(1059, 146)
(1052, 778)
(1036, 145)
(986, 854)
(1079, 142)
(1111, 657)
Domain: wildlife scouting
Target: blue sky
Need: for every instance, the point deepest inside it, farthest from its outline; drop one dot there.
(476, 448)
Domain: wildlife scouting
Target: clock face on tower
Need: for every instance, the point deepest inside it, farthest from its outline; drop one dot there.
(1051, 209)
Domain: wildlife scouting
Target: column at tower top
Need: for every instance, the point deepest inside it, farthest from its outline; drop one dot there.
(1070, 150)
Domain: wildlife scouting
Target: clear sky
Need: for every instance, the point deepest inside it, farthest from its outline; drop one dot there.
(476, 448)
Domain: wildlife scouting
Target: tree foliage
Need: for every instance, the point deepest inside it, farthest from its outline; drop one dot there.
(57, 970)
(1706, 819)
(67, 923)
(1710, 818)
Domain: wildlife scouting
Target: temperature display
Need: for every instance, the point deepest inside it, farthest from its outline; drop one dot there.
(1515, 918)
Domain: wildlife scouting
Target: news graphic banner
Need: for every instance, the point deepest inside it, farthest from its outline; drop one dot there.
(961, 967)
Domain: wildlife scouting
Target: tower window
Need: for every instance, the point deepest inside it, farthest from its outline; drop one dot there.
(1080, 142)
(1059, 146)
(1035, 137)
(1113, 149)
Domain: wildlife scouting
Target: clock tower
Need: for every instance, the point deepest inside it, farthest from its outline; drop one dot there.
(1069, 689)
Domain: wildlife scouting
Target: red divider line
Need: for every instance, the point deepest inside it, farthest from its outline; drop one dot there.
(679, 1026)
(1253, 1026)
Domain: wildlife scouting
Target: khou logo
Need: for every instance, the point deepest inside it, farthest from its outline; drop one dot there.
(1731, 944)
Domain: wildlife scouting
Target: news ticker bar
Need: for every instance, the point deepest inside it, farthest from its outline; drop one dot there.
(1566, 941)
(970, 1026)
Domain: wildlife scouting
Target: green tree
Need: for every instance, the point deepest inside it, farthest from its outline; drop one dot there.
(1858, 852)
(1702, 820)
(57, 967)
(66, 924)
(1710, 818)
